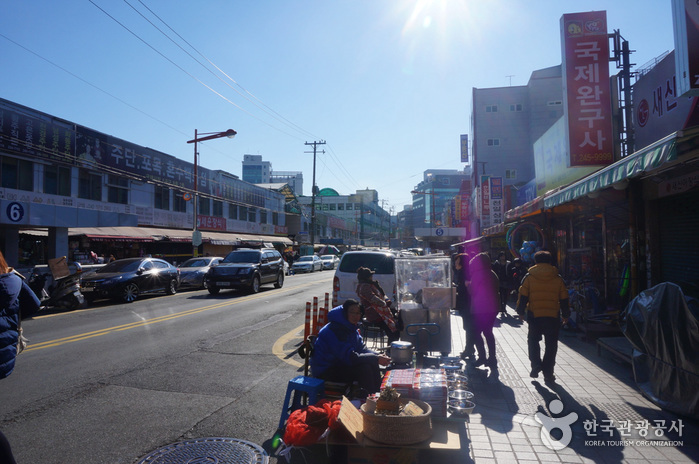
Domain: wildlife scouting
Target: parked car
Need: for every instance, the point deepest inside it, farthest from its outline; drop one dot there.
(345, 280)
(246, 268)
(127, 279)
(309, 263)
(193, 270)
(329, 261)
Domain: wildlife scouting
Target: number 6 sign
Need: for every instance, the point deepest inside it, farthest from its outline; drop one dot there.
(15, 211)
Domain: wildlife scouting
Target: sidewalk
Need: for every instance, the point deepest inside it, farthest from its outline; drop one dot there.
(600, 389)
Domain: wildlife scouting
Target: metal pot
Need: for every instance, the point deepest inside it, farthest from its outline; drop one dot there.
(401, 352)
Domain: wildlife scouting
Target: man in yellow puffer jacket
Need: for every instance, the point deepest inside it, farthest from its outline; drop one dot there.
(545, 292)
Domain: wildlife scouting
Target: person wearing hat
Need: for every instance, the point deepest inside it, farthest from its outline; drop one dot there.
(339, 354)
(376, 305)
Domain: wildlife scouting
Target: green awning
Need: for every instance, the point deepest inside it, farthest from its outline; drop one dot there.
(643, 161)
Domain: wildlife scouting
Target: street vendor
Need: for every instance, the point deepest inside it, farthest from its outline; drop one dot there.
(376, 306)
(339, 354)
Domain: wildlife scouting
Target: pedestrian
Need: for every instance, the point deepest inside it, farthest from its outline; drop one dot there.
(484, 307)
(463, 301)
(339, 354)
(376, 306)
(111, 258)
(515, 273)
(544, 296)
(500, 267)
(17, 301)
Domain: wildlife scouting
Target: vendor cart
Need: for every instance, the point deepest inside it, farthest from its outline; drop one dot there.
(425, 297)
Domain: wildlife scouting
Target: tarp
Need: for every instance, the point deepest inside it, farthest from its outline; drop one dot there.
(665, 336)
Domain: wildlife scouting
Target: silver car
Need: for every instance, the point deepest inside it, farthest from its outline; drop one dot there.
(329, 261)
(308, 263)
(193, 270)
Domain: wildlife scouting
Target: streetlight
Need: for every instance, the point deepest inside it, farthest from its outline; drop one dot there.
(230, 133)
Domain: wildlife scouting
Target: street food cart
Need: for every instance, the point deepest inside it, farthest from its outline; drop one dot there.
(425, 297)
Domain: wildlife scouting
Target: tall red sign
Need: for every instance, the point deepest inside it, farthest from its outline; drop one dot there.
(588, 102)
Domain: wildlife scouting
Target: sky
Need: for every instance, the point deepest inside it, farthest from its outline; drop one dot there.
(385, 83)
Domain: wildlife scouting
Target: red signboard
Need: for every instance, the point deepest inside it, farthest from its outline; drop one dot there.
(586, 88)
(211, 223)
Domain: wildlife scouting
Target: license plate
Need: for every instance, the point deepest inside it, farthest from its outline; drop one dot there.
(223, 284)
(87, 289)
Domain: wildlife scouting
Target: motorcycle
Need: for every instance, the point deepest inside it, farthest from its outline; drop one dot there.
(64, 292)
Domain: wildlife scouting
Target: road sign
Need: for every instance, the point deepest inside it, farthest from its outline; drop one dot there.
(196, 237)
(439, 232)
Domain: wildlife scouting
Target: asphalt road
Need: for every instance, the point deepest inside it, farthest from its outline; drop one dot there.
(114, 382)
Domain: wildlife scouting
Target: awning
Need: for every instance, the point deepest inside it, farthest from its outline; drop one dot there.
(636, 164)
(153, 234)
(530, 208)
(496, 229)
(116, 234)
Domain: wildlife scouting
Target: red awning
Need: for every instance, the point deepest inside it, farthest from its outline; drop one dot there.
(530, 208)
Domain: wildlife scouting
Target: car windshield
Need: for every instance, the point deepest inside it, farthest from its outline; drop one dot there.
(124, 265)
(195, 263)
(242, 257)
(306, 258)
(377, 262)
(327, 257)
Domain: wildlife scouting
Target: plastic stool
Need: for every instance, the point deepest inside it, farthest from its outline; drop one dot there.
(313, 387)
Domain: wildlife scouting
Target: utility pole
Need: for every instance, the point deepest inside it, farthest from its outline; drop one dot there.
(313, 190)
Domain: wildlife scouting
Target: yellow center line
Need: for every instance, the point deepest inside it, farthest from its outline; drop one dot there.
(155, 320)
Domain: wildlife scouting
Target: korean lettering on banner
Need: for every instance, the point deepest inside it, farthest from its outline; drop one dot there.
(465, 200)
(211, 222)
(665, 97)
(30, 135)
(485, 202)
(496, 201)
(587, 89)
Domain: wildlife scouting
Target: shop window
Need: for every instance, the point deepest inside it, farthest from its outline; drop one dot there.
(217, 208)
(117, 189)
(89, 185)
(232, 211)
(263, 216)
(57, 180)
(252, 215)
(275, 218)
(204, 206)
(179, 204)
(17, 174)
(333, 207)
(161, 198)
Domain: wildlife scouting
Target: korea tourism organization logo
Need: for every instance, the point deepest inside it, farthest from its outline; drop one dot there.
(605, 432)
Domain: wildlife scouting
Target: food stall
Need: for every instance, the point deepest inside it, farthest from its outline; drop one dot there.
(425, 297)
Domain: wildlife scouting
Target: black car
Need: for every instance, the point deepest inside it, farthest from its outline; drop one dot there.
(126, 279)
(248, 269)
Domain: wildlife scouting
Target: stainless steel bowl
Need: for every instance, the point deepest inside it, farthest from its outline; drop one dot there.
(460, 395)
(460, 407)
(456, 385)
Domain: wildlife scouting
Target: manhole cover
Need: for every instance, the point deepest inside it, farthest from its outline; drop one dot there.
(208, 451)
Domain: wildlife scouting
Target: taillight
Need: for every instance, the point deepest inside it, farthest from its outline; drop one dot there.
(336, 289)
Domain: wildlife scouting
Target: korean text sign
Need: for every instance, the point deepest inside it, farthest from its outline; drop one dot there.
(586, 88)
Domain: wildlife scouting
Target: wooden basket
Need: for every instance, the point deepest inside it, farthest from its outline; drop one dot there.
(399, 430)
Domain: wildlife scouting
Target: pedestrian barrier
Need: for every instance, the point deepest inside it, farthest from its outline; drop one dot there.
(316, 317)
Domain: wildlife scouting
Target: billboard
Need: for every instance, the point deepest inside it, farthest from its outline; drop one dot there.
(464, 149)
(586, 88)
(485, 202)
(497, 201)
(685, 18)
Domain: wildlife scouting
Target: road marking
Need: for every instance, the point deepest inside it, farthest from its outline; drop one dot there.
(278, 347)
(155, 320)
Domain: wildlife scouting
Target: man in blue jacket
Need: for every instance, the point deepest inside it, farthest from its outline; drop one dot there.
(339, 354)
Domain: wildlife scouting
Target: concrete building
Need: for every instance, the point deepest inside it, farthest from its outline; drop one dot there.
(255, 170)
(292, 178)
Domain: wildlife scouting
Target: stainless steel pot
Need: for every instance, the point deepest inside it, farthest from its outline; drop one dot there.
(401, 352)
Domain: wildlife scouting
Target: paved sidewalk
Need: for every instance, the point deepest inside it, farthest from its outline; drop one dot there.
(600, 389)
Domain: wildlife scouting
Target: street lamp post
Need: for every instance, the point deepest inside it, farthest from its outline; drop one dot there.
(230, 133)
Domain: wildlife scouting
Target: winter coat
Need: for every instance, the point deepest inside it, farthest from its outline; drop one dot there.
(372, 298)
(463, 297)
(484, 288)
(501, 272)
(17, 301)
(544, 288)
(339, 344)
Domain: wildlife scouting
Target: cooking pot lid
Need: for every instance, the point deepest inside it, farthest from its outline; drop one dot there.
(401, 345)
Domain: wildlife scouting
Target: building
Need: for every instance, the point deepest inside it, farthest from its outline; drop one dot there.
(255, 170)
(293, 179)
(67, 190)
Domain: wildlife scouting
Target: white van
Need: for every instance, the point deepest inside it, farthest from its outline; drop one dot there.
(345, 280)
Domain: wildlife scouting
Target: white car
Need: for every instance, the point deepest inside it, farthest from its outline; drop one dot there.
(345, 280)
(308, 263)
(329, 261)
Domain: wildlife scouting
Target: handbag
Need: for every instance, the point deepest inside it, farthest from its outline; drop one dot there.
(21, 339)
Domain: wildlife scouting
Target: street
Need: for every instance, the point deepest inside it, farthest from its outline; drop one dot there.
(114, 382)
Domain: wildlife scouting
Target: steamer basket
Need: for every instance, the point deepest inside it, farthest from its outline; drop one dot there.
(399, 430)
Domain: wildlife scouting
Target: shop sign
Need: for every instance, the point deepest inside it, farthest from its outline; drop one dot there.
(678, 184)
(211, 223)
(485, 202)
(497, 202)
(464, 149)
(586, 88)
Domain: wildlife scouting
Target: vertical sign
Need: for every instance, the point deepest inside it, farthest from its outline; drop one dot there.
(588, 103)
(465, 201)
(685, 18)
(485, 202)
(464, 148)
(497, 203)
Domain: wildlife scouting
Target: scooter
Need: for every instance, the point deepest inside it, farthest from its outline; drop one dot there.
(62, 293)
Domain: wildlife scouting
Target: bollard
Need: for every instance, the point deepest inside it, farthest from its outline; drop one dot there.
(314, 328)
(307, 326)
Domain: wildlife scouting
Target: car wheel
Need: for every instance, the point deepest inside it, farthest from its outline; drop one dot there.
(129, 293)
(204, 284)
(172, 287)
(255, 286)
(280, 281)
(213, 290)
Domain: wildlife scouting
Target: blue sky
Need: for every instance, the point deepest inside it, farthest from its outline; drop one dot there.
(386, 83)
